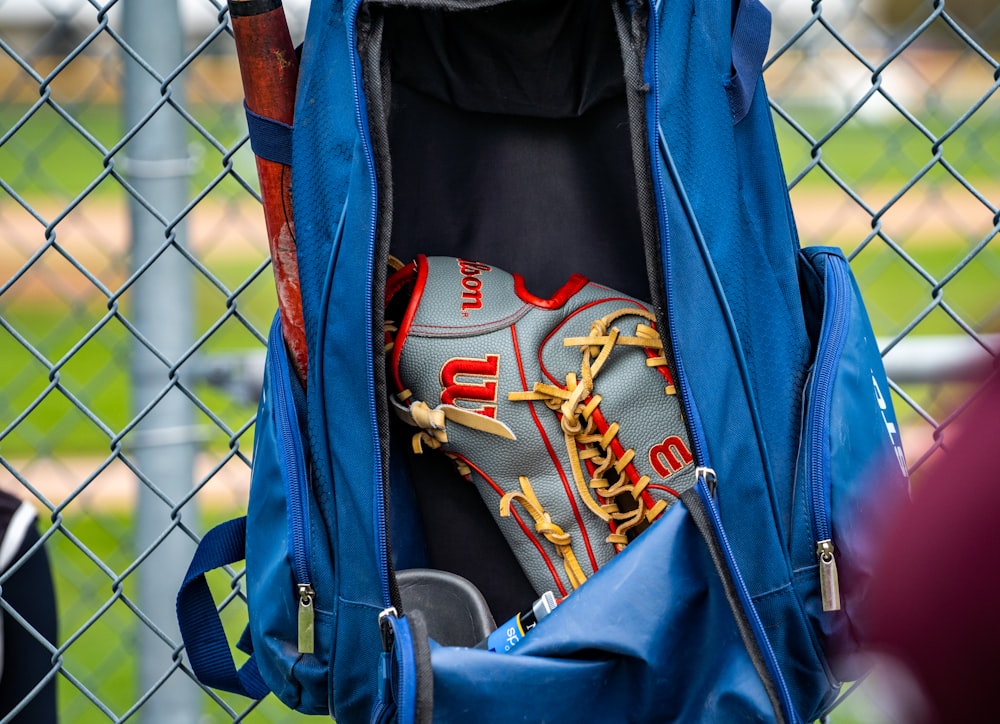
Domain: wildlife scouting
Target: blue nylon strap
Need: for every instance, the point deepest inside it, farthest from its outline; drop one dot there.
(269, 139)
(751, 34)
(200, 625)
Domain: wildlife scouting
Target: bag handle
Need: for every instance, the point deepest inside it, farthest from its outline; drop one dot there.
(201, 627)
(751, 35)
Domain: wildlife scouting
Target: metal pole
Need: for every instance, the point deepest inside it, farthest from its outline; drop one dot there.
(160, 304)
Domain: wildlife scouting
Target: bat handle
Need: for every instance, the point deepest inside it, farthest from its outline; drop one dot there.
(269, 65)
(269, 68)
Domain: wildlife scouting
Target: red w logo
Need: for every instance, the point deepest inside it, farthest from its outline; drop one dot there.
(471, 380)
(669, 456)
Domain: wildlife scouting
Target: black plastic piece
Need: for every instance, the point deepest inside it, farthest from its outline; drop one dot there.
(455, 612)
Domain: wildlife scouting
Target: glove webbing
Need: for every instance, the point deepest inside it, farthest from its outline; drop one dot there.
(577, 406)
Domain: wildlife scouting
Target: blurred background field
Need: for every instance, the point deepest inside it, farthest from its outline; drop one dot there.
(887, 119)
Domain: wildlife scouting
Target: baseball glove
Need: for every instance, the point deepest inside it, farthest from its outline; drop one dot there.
(561, 411)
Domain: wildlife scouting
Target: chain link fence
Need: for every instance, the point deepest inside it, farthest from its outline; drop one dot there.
(135, 291)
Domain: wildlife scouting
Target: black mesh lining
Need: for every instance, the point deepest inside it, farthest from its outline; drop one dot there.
(424, 713)
(632, 28)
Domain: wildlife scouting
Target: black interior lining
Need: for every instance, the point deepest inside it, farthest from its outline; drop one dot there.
(537, 58)
(509, 138)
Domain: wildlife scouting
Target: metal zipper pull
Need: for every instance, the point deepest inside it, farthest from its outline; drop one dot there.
(707, 475)
(829, 580)
(388, 636)
(307, 618)
(385, 631)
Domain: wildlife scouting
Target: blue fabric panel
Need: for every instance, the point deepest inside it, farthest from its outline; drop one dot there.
(750, 248)
(320, 179)
(769, 299)
(344, 359)
(351, 440)
(323, 146)
(354, 675)
(803, 664)
(333, 231)
(751, 33)
(620, 633)
(736, 310)
(406, 690)
(727, 301)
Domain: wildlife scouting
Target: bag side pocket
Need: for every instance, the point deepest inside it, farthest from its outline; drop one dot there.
(288, 629)
(851, 474)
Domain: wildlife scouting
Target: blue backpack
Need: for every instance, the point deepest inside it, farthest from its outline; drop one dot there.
(632, 143)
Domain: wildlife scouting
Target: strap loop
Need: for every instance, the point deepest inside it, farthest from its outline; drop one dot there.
(201, 628)
(269, 139)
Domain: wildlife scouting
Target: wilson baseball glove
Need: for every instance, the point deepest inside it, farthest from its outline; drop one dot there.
(561, 411)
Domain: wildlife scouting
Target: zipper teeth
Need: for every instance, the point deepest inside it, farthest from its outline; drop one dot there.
(403, 674)
(828, 357)
(380, 520)
(653, 134)
(297, 510)
(694, 424)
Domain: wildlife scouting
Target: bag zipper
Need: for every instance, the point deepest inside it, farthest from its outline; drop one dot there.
(296, 482)
(707, 481)
(827, 359)
(706, 493)
(381, 497)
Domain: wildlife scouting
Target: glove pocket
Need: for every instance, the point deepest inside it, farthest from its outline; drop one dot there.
(851, 473)
(288, 630)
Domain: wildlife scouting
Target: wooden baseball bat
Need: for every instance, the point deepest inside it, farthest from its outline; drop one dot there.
(269, 68)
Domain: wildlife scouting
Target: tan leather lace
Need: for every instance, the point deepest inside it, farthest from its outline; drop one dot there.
(389, 330)
(545, 527)
(433, 422)
(621, 500)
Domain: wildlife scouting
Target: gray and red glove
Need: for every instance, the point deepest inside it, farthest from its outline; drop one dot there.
(561, 411)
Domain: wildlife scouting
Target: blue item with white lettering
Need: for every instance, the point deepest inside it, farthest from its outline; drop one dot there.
(632, 143)
(511, 633)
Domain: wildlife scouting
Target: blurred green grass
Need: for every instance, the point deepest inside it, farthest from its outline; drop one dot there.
(47, 156)
(61, 360)
(886, 149)
(56, 157)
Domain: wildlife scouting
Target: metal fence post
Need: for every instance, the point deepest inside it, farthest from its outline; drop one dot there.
(163, 445)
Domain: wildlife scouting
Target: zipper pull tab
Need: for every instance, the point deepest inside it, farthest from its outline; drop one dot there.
(829, 580)
(385, 690)
(708, 476)
(307, 618)
(385, 631)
